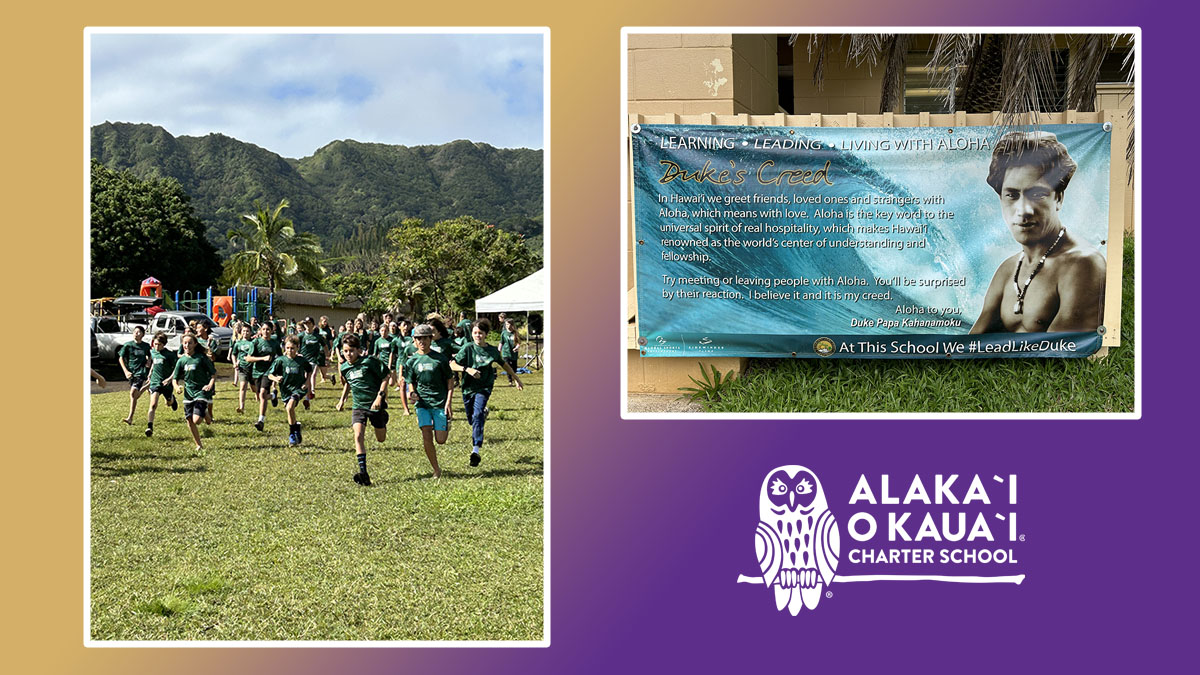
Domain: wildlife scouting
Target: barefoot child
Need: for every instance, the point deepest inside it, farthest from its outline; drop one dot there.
(431, 388)
(162, 368)
(134, 358)
(195, 375)
(478, 361)
(293, 374)
(366, 378)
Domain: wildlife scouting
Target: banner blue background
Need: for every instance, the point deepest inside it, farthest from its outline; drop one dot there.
(874, 164)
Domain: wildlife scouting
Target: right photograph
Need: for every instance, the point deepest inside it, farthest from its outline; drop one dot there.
(873, 224)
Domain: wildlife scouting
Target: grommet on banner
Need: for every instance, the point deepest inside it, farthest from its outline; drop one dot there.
(1108, 126)
(641, 242)
(1101, 330)
(636, 128)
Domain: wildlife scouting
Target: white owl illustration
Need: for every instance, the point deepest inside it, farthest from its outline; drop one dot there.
(797, 540)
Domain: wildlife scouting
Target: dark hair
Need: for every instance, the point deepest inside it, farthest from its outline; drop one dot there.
(352, 340)
(159, 337)
(483, 325)
(292, 340)
(459, 332)
(438, 326)
(1041, 149)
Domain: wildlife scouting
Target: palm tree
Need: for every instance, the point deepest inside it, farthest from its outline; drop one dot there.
(272, 250)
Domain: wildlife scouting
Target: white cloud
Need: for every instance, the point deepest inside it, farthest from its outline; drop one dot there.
(295, 93)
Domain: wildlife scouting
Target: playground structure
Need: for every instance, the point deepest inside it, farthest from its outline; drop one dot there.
(238, 302)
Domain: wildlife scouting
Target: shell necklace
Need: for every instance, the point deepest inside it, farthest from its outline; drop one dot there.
(1020, 306)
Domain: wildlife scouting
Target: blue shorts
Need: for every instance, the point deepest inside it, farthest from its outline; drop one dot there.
(435, 417)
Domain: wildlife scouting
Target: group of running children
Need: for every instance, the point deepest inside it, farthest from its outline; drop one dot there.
(422, 362)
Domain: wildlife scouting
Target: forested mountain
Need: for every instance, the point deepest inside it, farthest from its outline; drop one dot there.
(341, 187)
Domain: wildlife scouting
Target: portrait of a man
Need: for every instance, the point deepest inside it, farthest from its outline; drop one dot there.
(1055, 283)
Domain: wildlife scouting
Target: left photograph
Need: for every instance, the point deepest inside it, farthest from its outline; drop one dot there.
(316, 309)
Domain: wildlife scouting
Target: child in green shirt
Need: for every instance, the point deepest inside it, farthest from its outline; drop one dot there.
(161, 369)
(431, 387)
(134, 357)
(366, 378)
(194, 376)
(478, 361)
(293, 373)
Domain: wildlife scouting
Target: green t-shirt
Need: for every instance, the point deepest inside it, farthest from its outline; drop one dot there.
(465, 324)
(163, 366)
(383, 349)
(262, 347)
(294, 372)
(430, 375)
(337, 343)
(507, 345)
(242, 349)
(364, 377)
(194, 372)
(403, 355)
(135, 355)
(327, 333)
(444, 346)
(312, 346)
(483, 359)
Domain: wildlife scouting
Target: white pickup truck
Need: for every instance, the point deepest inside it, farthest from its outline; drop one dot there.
(175, 323)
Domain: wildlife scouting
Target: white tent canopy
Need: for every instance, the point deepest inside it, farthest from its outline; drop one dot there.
(526, 295)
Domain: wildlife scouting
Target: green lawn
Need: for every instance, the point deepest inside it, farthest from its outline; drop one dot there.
(253, 540)
(975, 385)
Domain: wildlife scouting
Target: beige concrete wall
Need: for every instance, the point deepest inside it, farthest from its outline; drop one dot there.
(299, 304)
(847, 88)
(716, 73)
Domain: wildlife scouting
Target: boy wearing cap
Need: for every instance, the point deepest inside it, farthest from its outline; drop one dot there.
(431, 388)
(366, 378)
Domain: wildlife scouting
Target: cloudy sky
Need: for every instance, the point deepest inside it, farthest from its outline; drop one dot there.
(292, 94)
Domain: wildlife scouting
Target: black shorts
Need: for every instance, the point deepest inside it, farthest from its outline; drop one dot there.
(197, 408)
(298, 396)
(322, 361)
(377, 418)
(137, 381)
(163, 390)
(263, 382)
(245, 372)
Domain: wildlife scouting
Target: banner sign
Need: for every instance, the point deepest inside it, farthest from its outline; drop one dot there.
(926, 242)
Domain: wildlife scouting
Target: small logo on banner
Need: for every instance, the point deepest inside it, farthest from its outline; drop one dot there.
(823, 346)
(705, 340)
(661, 340)
(798, 543)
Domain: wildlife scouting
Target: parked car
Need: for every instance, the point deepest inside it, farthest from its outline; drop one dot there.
(174, 324)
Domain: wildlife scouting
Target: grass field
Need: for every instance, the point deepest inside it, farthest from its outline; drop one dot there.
(927, 385)
(253, 540)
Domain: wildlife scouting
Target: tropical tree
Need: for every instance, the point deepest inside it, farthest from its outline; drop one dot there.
(272, 252)
(142, 228)
(453, 262)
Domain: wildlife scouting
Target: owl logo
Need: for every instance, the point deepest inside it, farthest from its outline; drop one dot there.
(797, 539)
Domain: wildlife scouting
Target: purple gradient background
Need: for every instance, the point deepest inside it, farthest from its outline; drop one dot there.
(652, 521)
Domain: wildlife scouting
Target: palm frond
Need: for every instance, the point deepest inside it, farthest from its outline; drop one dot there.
(1087, 57)
(895, 51)
(952, 54)
(1027, 77)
